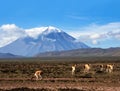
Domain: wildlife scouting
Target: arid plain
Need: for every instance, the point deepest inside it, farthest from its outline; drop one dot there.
(15, 74)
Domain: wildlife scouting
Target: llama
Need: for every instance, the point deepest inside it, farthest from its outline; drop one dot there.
(86, 68)
(37, 75)
(109, 68)
(73, 69)
(101, 68)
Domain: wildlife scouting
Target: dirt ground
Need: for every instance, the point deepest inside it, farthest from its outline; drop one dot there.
(58, 84)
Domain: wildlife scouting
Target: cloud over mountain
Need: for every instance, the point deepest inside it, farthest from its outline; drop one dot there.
(9, 33)
(47, 39)
(95, 34)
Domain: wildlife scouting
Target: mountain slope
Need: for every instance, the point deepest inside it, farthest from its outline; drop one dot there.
(83, 53)
(50, 39)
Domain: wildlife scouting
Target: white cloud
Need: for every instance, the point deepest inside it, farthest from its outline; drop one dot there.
(34, 32)
(95, 36)
(95, 33)
(9, 27)
(77, 17)
(95, 42)
(9, 33)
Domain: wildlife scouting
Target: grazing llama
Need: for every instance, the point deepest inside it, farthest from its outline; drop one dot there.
(86, 68)
(37, 75)
(109, 68)
(73, 69)
(101, 68)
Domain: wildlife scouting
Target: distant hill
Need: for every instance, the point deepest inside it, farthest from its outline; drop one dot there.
(83, 52)
(8, 55)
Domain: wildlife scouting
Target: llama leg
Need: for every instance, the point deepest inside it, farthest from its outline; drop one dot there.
(40, 77)
(85, 70)
(72, 72)
(36, 77)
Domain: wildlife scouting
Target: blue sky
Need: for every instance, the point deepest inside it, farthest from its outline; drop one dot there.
(77, 17)
(63, 13)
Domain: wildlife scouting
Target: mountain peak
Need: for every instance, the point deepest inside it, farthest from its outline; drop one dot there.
(53, 29)
(35, 32)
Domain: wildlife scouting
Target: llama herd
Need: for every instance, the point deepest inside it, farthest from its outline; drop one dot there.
(87, 67)
(108, 68)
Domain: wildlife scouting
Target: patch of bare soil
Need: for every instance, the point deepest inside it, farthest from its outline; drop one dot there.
(58, 84)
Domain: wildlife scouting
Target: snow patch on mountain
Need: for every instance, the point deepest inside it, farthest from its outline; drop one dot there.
(35, 32)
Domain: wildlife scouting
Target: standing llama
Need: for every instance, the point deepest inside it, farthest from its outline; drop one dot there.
(109, 68)
(73, 69)
(86, 68)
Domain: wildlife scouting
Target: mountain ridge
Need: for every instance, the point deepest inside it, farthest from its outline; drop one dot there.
(98, 52)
